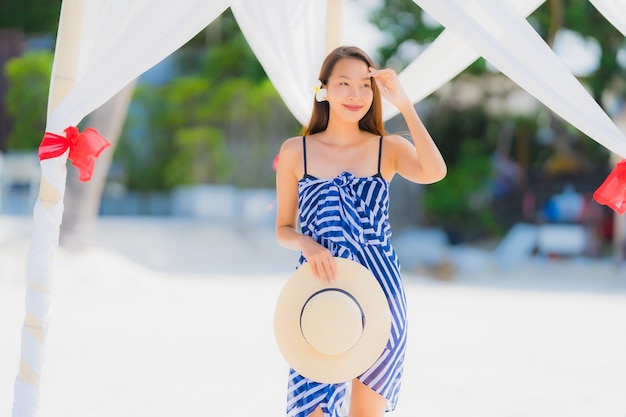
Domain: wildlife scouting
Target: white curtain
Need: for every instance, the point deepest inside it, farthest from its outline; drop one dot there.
(614, 11)
(443, 60)
(497, 31)
(288, 39)
(123, 39)
(102, 46)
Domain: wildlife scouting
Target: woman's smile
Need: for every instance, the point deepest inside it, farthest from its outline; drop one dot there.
(353, 107)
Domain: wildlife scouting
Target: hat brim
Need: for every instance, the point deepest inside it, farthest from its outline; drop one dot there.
(363, 286)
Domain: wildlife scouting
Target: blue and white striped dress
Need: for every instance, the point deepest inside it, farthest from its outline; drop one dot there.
(350, 216)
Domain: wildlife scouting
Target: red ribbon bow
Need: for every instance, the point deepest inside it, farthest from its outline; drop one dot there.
(612, 192)
(84, 148)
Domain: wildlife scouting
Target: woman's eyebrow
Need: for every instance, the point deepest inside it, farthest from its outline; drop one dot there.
(349, 78)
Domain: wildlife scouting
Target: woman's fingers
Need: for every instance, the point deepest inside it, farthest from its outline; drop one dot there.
(390, 86)
(385, 78)
(330, 270)
(321, 260)
(314, 269)
(333, 270)
(324, 268)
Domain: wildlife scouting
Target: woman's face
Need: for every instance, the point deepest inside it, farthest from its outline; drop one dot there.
(349, 86)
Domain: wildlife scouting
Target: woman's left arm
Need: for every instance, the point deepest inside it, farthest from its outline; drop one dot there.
(421, 161)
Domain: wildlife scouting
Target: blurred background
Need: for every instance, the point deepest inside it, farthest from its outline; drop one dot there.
(168, 268)
(196, 137)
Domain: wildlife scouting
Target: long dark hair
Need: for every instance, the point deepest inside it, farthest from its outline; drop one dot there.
(372, 121)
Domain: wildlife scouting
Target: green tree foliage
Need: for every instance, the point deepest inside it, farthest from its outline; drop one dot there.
(405, 24)
(169, 134)
(232, 59)
(450, 202)
(464, 139)
(201, 157)
(222, 122)
(32, 16)
(29, 80)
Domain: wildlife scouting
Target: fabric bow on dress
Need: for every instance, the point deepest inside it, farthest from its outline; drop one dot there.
(343, 218)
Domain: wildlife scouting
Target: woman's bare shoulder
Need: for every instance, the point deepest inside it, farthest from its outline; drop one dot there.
(395, 139)
(395, 147)
(398, 143)
(291, 154)
(291, 146)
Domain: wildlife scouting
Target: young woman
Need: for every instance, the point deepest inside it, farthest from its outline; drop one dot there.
(345, 154)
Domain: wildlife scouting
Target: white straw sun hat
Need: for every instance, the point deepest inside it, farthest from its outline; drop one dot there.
(332, 333)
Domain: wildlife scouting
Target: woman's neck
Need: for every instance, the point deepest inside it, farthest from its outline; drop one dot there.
(343, 132)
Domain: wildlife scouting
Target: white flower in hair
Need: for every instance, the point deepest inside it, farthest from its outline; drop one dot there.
(320, 93)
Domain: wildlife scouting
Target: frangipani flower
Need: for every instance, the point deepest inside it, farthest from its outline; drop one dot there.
(320, 93)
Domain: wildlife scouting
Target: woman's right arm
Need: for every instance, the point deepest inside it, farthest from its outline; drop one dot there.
(287, 197)
(288, 170)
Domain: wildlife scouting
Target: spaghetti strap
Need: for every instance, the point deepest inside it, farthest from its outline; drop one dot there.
(304, 155)
(380, 153)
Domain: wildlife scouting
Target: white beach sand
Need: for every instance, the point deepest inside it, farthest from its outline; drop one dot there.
(173, 317)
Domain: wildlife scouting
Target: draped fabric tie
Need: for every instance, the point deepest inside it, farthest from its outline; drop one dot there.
(343, 217)
(84, 148)
(345, 201)
(612, 192)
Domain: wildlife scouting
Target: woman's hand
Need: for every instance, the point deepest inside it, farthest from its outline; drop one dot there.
(390, 87)
(320, 259)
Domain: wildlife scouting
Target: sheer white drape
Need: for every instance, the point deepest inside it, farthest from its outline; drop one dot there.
(443, 60)
(288, 39)
(121, 40)
(614, 11)
(106, 44)
(498, 32)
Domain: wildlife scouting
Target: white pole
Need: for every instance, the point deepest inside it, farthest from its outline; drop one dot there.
(333, 24)
(48, 213)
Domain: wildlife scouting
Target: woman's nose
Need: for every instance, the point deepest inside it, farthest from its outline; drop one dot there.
(354, 93)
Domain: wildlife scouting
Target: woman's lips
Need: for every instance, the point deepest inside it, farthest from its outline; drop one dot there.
(352, 107)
